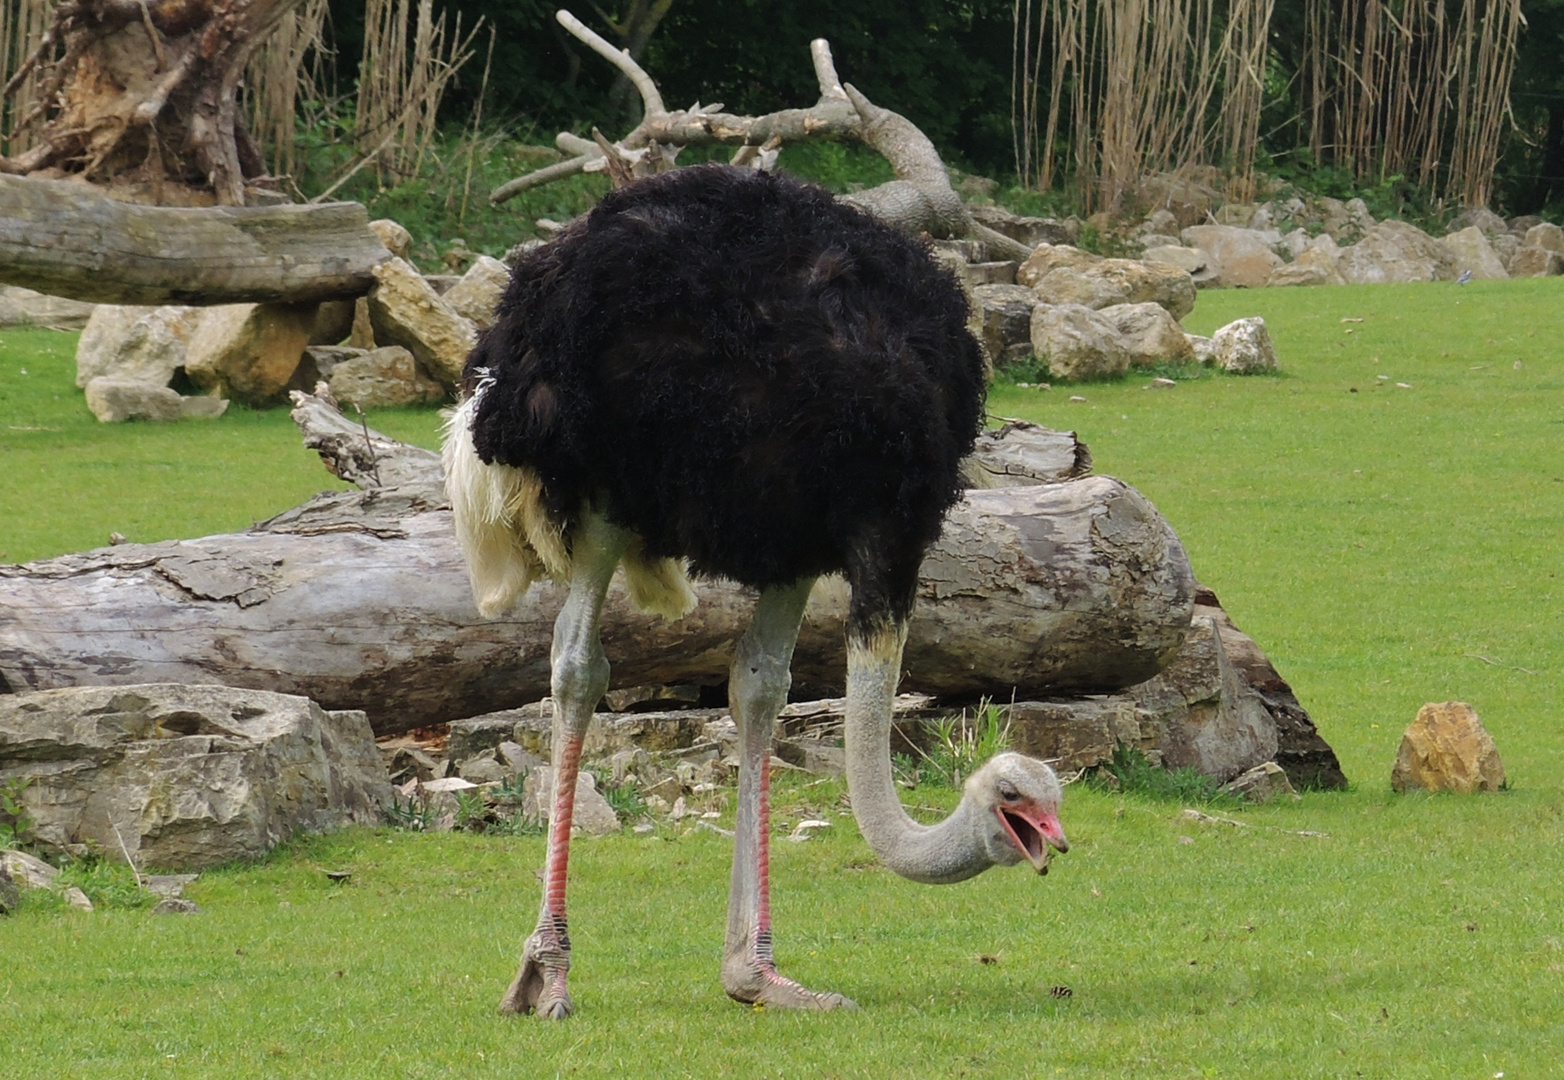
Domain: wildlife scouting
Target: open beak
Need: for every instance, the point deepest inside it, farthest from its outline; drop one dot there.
(1034, 832)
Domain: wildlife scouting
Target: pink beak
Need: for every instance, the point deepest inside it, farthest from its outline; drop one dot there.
(1034, 831)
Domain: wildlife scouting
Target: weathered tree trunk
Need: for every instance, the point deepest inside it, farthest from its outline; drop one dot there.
(360, 600)
(65, 239)
(144, 94)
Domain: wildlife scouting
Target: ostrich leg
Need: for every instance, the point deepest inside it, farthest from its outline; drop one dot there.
(580, 676)
(757, 689)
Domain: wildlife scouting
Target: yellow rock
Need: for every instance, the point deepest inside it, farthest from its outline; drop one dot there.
(1447, 749)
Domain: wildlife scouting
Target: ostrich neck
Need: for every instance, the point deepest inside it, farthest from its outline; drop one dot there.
(934, 854)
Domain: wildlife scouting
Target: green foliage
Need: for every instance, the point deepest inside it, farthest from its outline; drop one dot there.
(15, 822)
(1130, 771)
(836, 166)
(959, 745)
(1395, 197)
(414, 815)
(107, 882)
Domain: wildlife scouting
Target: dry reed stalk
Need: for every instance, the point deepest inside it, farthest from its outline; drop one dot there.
(401, 82)
(22, 26)
(1418, 88)
(278, 74)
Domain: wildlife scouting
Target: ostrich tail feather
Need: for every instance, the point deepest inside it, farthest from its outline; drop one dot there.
(506, 534)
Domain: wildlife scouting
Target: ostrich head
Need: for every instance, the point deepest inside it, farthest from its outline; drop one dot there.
(1019, 801)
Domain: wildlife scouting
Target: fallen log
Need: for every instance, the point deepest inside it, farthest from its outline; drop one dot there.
(360, 600)
(65, 239)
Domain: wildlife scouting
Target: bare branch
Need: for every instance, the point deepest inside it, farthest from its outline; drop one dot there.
(650, 97)
(546, 175)
(825, 70)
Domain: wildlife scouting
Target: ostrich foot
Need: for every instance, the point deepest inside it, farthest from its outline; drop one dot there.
(539, 986)
(757, 982)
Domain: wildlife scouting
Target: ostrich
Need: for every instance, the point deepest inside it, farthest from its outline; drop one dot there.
(719, 371)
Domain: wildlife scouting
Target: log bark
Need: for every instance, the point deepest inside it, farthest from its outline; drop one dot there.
(360, 600)
(64, 239)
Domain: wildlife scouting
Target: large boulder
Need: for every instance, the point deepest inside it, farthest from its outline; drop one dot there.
(1188, 194)
(113, 401)
(1545, 235)
(1048, 257)
(1193, 261)
(1119, 281)
(478, 292)
(186, 776)
(1480, 218)
(1077, 342)
(379, 378)
(1394, 252)
(1471, 251)
(249, 351)
(1240, 258)
(1315, 265)
(140, 344)
(1447, 749)
(1200, 712)
(1005, 314)
(1149, 334)
(1243, 347)
(1533, 261)
(1345, 222)
(405, 310)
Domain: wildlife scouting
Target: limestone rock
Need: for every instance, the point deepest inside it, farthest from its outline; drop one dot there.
(28, 871)
(1534, 261)
(1470, 250)
(1077, 342)
(990, 273)
(202, 407)
(1261, 784)
(1315, 265)
(1150, 334)
(404, 310)
(10, 895)
(1119, 281)
(141, 344)
(1187, 194)
(249, 351)
(592, 814)
(1244, 347)
(113, 401)
(1345, 222)
(1480, 218)
(479, 290)
(1394, 251)
(1192, 261)
(1240, 215)
(1505, 246)
(1162, 222)
(1030, 231)
(1198, 712)
(1078, 286)
(470, 737)
(485, 769)
(1546, 235)
(1201, 349)
(398, 241)
(1047, 257)
(381, 377)
(176, 905)
(77, 899)
(187, 776)
(24, 307)
(1447, 749)
(1240, 258)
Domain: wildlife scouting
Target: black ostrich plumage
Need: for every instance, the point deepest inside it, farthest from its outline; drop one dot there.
(745, 372)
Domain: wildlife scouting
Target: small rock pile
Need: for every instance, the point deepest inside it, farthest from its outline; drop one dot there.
(1090, 317)
(405, 343)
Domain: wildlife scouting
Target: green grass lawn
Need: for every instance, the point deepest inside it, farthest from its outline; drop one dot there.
(1386, 547)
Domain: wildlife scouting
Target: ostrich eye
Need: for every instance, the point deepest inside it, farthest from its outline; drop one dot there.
(1008, 791)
